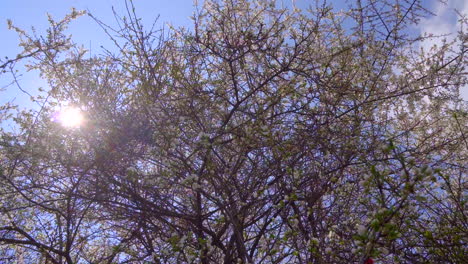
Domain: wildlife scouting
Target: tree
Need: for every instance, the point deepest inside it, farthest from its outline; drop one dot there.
(264, 135)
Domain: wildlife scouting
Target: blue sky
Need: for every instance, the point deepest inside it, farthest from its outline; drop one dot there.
(32, 13)
(27, 13)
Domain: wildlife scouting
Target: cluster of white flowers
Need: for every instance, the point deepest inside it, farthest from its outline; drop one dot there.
(190, 179)
(294, 221)
(152, 180)
(361, 230)
(196, 186)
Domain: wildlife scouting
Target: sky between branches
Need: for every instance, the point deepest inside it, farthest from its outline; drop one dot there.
(31, 13)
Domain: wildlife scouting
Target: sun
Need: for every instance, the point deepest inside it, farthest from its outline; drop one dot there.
(70, 117)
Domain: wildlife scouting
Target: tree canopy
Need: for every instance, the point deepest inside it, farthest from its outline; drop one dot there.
(264, 134)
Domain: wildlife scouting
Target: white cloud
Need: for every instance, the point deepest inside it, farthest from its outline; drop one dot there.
(446, 23)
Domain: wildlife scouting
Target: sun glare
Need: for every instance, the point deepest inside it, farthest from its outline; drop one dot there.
(70, 117)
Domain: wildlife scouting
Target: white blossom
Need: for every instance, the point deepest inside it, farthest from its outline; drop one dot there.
(361, 229)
